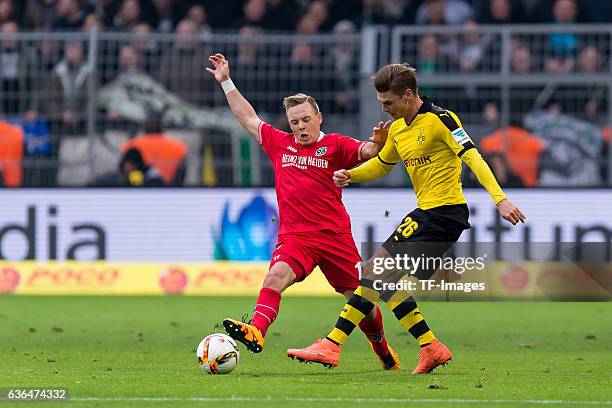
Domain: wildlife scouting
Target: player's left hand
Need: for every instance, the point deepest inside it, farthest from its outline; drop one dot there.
(380, 134)
(510, 212)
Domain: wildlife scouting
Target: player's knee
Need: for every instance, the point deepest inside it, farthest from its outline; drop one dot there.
(279, 277)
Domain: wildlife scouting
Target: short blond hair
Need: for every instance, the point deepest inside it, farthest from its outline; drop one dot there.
(298, 99)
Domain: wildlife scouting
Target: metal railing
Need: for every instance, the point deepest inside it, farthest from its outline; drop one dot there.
(491, 76)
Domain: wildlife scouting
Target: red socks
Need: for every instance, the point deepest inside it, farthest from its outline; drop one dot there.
(266, 309)
(375, 332)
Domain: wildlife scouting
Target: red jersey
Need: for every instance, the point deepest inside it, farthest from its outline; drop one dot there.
(308, 199)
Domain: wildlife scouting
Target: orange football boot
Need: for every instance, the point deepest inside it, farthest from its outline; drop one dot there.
(391, 362)
(431, 356)
(245, 333)
(321, 351)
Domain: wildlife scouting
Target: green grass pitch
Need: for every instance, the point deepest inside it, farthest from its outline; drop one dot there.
(140, 351)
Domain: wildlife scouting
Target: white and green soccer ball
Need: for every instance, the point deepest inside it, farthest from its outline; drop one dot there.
(218, 354)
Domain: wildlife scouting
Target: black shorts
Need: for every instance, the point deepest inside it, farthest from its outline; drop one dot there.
(428, 233)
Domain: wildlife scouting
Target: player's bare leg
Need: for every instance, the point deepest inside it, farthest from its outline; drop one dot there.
(252, 334)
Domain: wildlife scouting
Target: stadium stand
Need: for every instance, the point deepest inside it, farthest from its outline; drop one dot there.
(499, 64)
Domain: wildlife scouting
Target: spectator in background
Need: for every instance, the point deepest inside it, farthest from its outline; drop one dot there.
(519, 149)
(67, 87)
(7, 11)
(18, 75)
(69, 16)
(502, 12)
(391, 11)
(128, 16)
(319, 12)
(308, 24)
(312, 72)
(346, 68)
(40, 14)
(11, 155)
(562, 47)
(587, 102)
(129, 63)
(160, 151)
(104, 10)
(472, 49)
(147, 48)
(430, 60)
(181, 67)
(248, 73)
(523, 98)
(197, 14)
(435, 12)
(253, 14)
(167, 14)
(521, 60)
(281, 15)
(314, 18)
(132, 172)
(92, 22)
(135, 173)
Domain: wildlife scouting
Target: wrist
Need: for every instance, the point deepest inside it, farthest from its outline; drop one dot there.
(228, 86)
(378, 146)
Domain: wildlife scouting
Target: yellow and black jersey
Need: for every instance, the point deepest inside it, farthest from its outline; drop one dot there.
(431, 146)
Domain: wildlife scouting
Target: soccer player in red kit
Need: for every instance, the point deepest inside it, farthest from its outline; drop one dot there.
(314, 225)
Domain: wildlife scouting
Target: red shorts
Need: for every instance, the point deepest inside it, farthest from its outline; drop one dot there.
(335, 254)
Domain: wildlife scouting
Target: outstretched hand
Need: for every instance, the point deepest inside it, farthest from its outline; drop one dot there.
(221, 67)
(380, 133)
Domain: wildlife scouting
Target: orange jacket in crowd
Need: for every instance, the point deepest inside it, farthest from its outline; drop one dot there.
(163, 152)
(11, 154)
(521, 149)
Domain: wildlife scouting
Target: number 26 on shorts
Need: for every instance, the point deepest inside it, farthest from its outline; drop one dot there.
(407, 227)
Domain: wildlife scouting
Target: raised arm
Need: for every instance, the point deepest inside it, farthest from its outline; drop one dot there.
(241, 108)
(376, 142)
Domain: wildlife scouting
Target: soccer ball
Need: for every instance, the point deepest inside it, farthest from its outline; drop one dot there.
(218, 354)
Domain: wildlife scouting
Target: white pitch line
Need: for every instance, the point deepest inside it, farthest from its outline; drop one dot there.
(341, 399)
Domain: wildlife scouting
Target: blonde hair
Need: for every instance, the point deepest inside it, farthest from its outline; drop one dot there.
(298, 99)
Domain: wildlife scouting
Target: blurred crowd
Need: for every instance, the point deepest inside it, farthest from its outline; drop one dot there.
(45, 83)
(302, 16)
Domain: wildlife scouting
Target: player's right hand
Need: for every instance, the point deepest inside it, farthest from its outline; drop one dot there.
(342, 178)
(221, 67)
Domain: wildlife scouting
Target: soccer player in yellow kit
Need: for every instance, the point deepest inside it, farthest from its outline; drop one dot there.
(431, 143)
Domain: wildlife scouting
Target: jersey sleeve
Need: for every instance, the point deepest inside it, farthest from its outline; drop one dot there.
(349, 152)
(389, 154)
(268, 136)
(454, 135)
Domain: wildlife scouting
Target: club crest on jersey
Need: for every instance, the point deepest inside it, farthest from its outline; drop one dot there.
(421, 136)
(321, 151)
